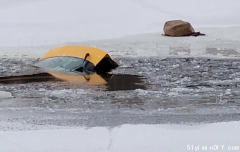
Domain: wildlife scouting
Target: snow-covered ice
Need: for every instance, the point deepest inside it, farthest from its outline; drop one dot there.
(134, 138)
(50, 22)
(31, 28)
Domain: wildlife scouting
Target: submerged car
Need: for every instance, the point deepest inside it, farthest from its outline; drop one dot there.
(83, 60)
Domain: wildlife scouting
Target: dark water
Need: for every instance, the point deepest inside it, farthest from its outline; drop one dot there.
(125, 82)
(23, 79)
(111, 82)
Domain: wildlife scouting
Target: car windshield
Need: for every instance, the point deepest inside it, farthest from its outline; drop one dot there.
(63, 63)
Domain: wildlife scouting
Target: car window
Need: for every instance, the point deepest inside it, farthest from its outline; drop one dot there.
(63, 63)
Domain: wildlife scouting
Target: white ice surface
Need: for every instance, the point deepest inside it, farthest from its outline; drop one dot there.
(57, 21)
(132, 138)
(219, 42)
(31, 28)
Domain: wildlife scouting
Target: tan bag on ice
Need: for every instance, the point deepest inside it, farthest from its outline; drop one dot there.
(179, 28)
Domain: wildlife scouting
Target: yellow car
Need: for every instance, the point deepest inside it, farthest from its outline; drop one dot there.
(80, 59)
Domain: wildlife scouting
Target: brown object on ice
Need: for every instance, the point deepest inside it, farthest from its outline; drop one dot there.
(179, 28)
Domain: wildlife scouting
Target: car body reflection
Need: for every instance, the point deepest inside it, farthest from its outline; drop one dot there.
(111, 81)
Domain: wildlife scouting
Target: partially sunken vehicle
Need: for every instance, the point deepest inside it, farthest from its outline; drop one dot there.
(82, 60)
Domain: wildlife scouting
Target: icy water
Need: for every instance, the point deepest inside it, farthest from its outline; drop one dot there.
(149, 90)
(112, 82)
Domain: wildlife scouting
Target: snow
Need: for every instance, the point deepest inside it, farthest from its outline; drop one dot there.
(30, 28)
(48, 22)
(134, 138)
